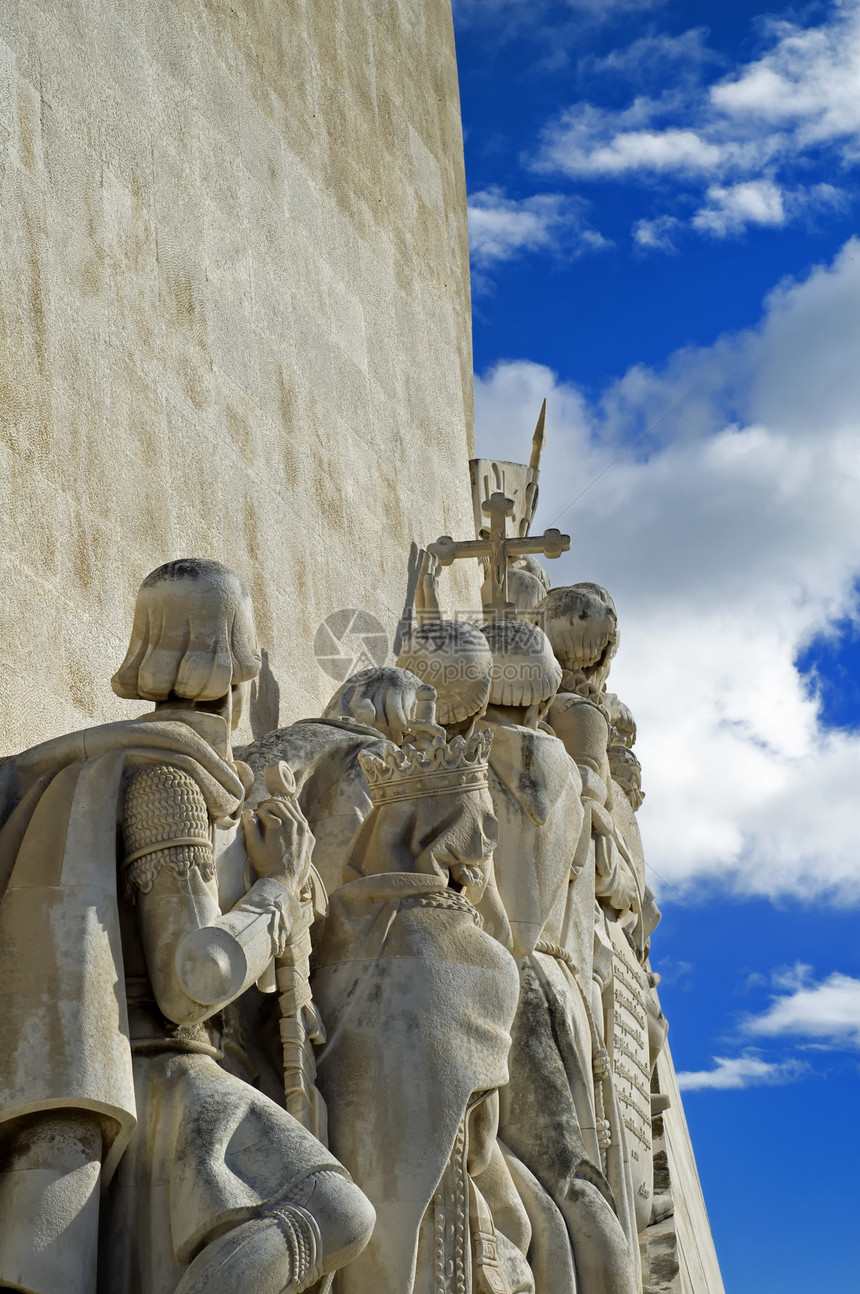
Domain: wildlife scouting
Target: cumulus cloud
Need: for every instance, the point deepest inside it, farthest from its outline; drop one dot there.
(806, 84)
(651, 54)
(658, 234)
(501, 228)
(826, 1013)
(744, 137)
(730, 537)
(587, 141)
(739, 1072)
(730, 209)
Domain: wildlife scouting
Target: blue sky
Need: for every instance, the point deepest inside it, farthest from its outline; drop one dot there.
(664, 203)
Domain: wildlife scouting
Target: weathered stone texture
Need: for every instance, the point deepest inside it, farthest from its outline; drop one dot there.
(684, 1242)
(234, 322)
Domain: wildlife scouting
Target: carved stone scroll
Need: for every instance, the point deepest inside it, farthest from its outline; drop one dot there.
(631, 1065)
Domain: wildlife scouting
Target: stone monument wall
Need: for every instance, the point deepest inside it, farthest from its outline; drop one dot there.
(234, 322)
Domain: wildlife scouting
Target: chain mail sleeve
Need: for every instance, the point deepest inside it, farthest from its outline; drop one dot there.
(165, 823)
(199, 958)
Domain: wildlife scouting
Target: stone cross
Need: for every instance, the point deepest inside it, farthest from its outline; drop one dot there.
(498, 548)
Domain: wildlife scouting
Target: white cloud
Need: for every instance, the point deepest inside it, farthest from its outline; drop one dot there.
(729, 210)
(652, 53)
(739, 1072)
(745, 136)
(532, 10)
(657, 234)
(827, 1012)
(806, 84)
(728, 546)
(593, 142)
(501, 228)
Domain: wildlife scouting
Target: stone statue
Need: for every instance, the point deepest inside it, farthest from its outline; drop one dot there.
(453, 657)
(598, 732)
(528, 583)
(132, 1155)
(418, 1001)
(163, 1115)
(548, 1117)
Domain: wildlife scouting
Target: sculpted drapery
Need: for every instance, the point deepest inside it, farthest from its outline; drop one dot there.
(480, 993)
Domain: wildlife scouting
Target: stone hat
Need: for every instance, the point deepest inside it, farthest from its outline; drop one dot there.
(453, 657)
(524, 589)
(525, 671)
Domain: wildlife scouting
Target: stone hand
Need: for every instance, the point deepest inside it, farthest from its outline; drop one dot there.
(427, 588)
(278, 840)
(625, 896)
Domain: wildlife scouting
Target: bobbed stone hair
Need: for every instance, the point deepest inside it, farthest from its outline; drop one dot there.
(525, 671)
(581, 623)
(454, 657)
(193, 634)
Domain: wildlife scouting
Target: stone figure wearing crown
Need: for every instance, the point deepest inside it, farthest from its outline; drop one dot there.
(370, 709)
(418, 1001)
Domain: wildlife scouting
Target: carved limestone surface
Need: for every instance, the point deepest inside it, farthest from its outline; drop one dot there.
(582, 625)
(371, 708)
(528, 583)
(345, 1003)
(549, 1116)
(525, 672)
(628, 1037)
(369, 1009)
(599, 732)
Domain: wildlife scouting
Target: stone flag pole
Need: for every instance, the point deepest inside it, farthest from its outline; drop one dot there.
(306, 983)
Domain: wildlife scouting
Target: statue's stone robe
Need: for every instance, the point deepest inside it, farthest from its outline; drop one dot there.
(548, 1115)
(188, 1147)
(64, 1022)
(417, 1001)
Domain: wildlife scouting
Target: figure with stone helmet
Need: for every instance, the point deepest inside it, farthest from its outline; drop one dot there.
(598, 732)
(453, 657)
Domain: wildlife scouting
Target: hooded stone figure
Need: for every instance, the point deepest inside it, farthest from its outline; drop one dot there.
(132, 1158)
(548, 1116)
